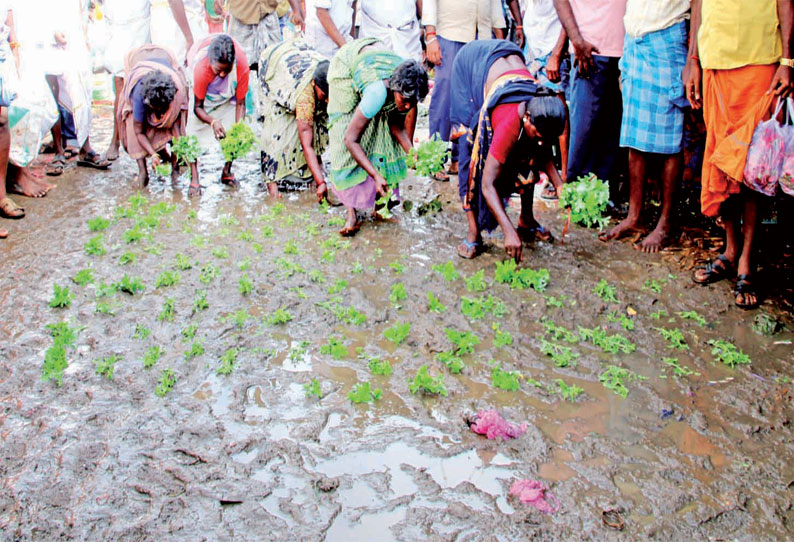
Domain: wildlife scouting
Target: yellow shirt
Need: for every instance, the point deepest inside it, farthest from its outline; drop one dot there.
(738, 33)
(252, 11)
(463, 20)
(644, 17)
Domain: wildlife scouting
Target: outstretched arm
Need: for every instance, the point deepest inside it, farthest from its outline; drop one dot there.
(490, 174)
(178, 9)
(306, 136)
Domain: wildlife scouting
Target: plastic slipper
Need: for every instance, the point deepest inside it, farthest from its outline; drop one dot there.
(55, 167)
(469, 250)
(745, 288)
(715, 272)
(93, 160)
(9, 209)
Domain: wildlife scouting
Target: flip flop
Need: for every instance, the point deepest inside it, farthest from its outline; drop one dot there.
(441, 176)
(471, 250)
(745, 287)
(9, 209)
(3, 233)
(55, 167)
(549, 193)
(714, 272)
(93, 160)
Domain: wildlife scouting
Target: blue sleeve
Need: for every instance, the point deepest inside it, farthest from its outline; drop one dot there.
(138, 105)
(373, 99)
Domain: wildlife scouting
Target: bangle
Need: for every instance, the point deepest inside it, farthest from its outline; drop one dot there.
(787, 62)
(694, 57)
(428, 34)
(521, 27)
(431, 40)
(13, 44)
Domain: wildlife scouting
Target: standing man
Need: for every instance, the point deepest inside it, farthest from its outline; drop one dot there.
(654, 56)
(595, 30)
(449, 25)
(254, 24)
(395, 24)
(739, 54)
(329, 24)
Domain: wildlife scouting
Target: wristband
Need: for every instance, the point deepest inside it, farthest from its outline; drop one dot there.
(431, 40)
(787, 62)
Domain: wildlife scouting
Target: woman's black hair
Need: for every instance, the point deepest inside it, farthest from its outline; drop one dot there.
(321, 76)
(547, 114)
(221, 50)
(410, 80)
(158, 91)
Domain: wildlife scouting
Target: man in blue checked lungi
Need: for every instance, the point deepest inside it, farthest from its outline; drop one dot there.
(654, 56)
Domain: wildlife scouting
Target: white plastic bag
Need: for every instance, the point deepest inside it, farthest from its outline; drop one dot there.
(765, 156)
(787, 167)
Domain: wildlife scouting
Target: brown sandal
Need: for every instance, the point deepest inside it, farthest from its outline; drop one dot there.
(9, 209)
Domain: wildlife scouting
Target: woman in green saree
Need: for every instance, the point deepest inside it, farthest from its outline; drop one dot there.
(372, 91)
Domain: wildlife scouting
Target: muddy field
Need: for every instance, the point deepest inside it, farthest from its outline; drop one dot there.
(251, 302)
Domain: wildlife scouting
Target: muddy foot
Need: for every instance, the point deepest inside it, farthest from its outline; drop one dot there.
(350, 229)
(625, 229)
(112, 153)
(656, 241)
(532, 231)
(27, 185)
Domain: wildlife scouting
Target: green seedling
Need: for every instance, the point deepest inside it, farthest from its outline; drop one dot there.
(104, 289)
(679, 370)
(298, 351)
(397, 267)
(674, 337)
(95, 246)
(162, 170)
(728, 353)
(335, 348)
(693, 315)
(504, 380)
(141, 332)
(289, 267)
(55, 363)
(196, 349)
(464, 341)
(611, 344)
(209, 273)
(379, 367)
(278, 317)
(168, 311)
(605, 291)
(245, 264)
(349, 315)
(429, 157)
(192, 214)
(554, 302)
(104, 307)
(587, 199)
(362, 393)
(507, 272)
(432, 207)
(358, 267)
(200, 302)
(239, 141)
(501, 338)
(382, 204)
(658, 315)
(766, 324)
(653, 285)
(562, 356)
(434, 304)
(338, 286)
(183, 263)
(397, 293)
(476, 282)
(106, 366)
(427, 384)
(316, 276)
(167, 279)
(166, 383)
(61, 297)
(447, 270)
(568, 393)
(614, 378)
(453, 362)
(228, 360)
(328, 256)
(313, 389)
(198, 241)
(189, 333)
(238, 317)
(129, 285)
(127, 258)
(336, 221)
(152, 356)
(477, 308)
(155, 249)
(98, 224)
(221, 253)
(186, 148)
(291, 247)
(625, 322)
(245, 286)
(397, 333)
(559, 333)
(245, 236)
(133, 235)
(229, 220)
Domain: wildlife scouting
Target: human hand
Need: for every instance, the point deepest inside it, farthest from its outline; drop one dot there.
(434, 52)
(583, 52)
(322, 192)
(520, 38)
(218, 129)
(692, 77)
(60, 39)
(297, 19)
(381, 185)
(156, 160)
(553, 68)
(513, 245)
(782, 85)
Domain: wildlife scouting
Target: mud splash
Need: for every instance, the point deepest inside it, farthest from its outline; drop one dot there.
(247, 456)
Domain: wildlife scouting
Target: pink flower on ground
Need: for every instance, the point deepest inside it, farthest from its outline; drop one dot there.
(491, 424)
(535, 493)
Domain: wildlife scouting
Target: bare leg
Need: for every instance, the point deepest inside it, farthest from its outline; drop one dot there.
(143, 173)
(631, 224)
(745, 267)
(529, 228)
(565, 139)
(272, 190)
(473, 245)
(671, 172)
(113, 150)
(730, 220)
(352, 225)
(227, 177)
(5, 147)
(195, 185)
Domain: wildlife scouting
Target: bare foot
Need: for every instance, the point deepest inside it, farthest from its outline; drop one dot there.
(3, 233)
(194, 190)
(112, 153)
(626, 228)
(22, 182)
(377, 216)
(532, 231)
(141, 181)
(272, 191)
(350, 230)
(656, 241)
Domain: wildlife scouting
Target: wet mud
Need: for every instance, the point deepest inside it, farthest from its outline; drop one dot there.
(248, 456)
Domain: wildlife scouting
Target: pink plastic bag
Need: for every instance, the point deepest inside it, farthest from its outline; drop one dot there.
(765, 156)
(787, 168)
(535, 493)
(491, 424)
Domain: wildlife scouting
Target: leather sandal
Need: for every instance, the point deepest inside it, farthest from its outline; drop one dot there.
(9, 209)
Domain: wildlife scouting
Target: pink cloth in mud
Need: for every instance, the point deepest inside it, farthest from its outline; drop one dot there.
(535, 493)
(491, 424)
(362, 196)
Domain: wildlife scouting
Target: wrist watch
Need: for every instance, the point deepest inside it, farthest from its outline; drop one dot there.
(787, 62)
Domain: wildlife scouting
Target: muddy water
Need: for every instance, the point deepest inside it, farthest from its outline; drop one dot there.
(247, 456)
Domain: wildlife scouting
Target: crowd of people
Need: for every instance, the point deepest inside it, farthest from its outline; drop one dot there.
(521, 90)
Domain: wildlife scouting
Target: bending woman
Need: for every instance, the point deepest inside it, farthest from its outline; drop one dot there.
(372, 92)
(153, 107)
(506, 126)
(294, 81)
(220, 82)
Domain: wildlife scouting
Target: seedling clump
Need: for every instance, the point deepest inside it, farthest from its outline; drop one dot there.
(95, 246)
(728, 353)
(453, 362)
(61, 297)
(167, 313)
(562, 356)
(106, 366)
(335, 348)
(605, 291)
(507, 272)
(228, 360)
(428, 384)
(379, 367)
(186, 148)
(166, 383)
(98, 224)
(129, 285)
(614, 378)
(587, 199)
(200, 303)
(278, 317)
(398, 332)
(313, 389)
(434, 304)
(568, 393)
(504, 380)
(501, 338)
(429, 157)
(678, 369)
(196, 349)
(464, 341)
(238, 142)
(447, 270)
(245, 286)
(693, 315)
(397, 293)
(674, 337)
(152, 356)
(476, 282)
(362, 393)
(166, 279)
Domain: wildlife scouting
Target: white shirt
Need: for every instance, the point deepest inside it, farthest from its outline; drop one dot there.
(342, 15)
(463, 20)
(644, 17)
(542, 27)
